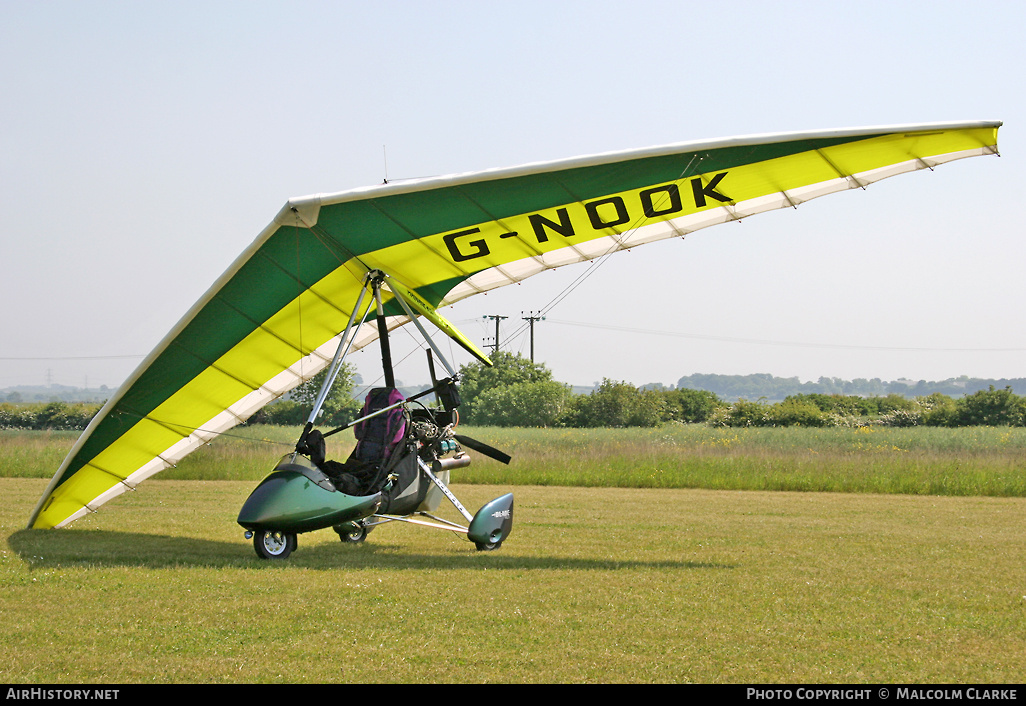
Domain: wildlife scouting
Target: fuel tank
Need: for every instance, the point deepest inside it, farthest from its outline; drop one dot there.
(297, 497)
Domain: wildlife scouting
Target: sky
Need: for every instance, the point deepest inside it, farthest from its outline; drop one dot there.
(143, 146)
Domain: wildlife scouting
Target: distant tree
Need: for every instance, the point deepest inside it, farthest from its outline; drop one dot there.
(938, 410)
(507, 369)
(733, 387)
(847, 405)
(523, 404)
(17, 416)
(689, 406)
(620, 404)
(283, 413)
(56, 415)
(52, 415)
(339, 407)
(991, 408)
(795, 412)
(743, 413)
(894, 402)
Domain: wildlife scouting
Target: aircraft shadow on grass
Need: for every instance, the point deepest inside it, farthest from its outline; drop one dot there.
(99, 548)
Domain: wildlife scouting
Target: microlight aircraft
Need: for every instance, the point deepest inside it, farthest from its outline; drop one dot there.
(334, 272)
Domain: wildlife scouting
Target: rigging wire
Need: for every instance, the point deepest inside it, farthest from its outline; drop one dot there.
(192, 430)
(597, 262)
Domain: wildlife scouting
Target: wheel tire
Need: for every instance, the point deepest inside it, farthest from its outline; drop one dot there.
(487, 546)
(274, 545)
(352, 533)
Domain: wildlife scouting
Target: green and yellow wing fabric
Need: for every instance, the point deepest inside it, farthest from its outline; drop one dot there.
(274, 318)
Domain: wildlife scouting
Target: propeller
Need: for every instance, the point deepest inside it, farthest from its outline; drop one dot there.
(449, 395)
(483, 448)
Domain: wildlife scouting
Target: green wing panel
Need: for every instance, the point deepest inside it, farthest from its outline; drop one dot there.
(274, 318)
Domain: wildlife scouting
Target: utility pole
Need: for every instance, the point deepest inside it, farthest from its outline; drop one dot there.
(534, 316)
(497, 319)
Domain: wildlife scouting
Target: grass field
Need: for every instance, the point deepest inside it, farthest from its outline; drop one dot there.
(596, 584)
(964, 461)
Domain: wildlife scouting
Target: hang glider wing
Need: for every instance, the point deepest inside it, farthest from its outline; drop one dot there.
(274, 318)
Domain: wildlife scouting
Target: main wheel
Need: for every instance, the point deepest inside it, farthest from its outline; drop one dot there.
(274, 545)
(352, 532)
(487, 546)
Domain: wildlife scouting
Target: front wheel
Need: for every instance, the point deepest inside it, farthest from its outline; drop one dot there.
(352, 532)
(274, 545)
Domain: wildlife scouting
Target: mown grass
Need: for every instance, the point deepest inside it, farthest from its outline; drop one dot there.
(880, 580)
(963, 461)
(595, 585)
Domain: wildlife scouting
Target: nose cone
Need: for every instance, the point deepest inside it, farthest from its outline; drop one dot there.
(287, 501)
(493, 522)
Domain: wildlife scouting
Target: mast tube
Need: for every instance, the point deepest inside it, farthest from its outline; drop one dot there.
(386, 352)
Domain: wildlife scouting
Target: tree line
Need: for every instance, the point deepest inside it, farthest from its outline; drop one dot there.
(756, 386)
(49, 415)
(516, 392)
(292, 409)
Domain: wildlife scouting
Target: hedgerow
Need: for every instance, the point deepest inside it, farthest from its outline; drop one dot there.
(51, 415)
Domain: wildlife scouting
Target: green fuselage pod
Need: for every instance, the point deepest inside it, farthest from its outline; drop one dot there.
(297, 497)
(493, 522)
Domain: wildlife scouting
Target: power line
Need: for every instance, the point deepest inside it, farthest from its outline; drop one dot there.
(795, 344)
(76, 357)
